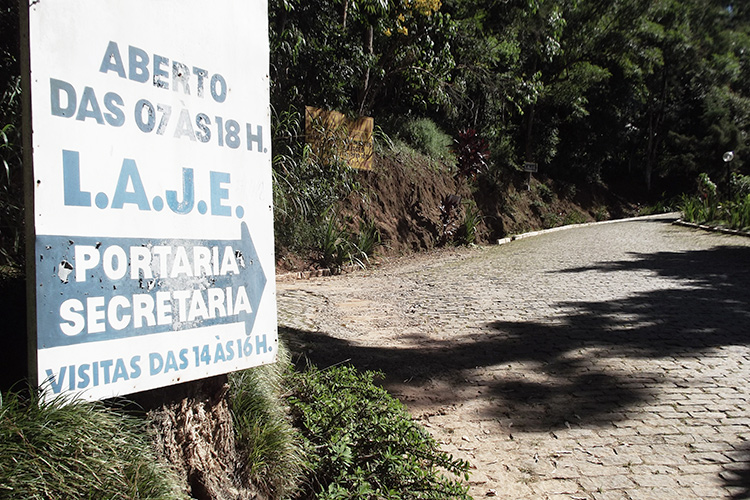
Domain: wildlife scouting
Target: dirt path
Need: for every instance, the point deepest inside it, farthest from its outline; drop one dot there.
(601, 362)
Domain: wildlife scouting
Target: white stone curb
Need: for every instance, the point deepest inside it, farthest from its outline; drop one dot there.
(504, 241)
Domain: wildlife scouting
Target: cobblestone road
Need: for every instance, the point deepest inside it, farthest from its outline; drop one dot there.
(600, 362)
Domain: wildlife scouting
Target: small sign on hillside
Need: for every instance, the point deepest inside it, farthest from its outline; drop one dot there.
(530, 167)
(151, 224)
(331, 133)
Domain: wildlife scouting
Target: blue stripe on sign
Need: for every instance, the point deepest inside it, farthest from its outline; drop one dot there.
(95, 289)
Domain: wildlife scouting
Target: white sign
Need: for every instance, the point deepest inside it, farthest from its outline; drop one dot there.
(152, 192)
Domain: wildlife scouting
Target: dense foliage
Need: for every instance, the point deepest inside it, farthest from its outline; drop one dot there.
(729, 209)
(331, 434)
(11, 172)
(590, 89)
(364, 445)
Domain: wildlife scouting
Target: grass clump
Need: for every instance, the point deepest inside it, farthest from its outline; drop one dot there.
(63, 449)
(467, 231)
(339, 247)
(426, 137)
(270, 446)
(362, 444)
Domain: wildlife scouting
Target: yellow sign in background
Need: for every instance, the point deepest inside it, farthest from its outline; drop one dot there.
(331, 134)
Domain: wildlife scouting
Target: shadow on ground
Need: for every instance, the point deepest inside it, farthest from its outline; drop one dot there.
(564, 381)
(736, 475)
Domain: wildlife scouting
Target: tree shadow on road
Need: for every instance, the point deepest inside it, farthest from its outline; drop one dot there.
(572, 371)
(736, 475)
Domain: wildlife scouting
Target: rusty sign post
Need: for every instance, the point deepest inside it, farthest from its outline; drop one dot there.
(148, 173)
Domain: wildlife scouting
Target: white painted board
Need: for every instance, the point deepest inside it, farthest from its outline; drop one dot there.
(152, 192)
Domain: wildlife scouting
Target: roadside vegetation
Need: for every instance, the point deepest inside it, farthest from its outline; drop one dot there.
(302, 434)
(709, 207)
(77, 450)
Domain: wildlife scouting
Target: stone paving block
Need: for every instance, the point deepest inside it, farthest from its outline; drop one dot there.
(708, 457)
(708, 446)
(568, 496)
(680, 439)
(610, 495)
(658, 429)
(607, 483)
(660, 494)
(565, 487)
(655, 481)
(699, 480)
(709, 493)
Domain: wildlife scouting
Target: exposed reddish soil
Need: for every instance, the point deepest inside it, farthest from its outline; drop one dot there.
(417, 204)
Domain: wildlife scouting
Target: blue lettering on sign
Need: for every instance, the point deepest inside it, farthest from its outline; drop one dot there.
(156, 118)
(64, 102)
(188, 196)
(101, 372)
(125, 287)
(129, 176)
(162, 73)
(130, 192)
(72, 194)
(86, 375)
(218, 193)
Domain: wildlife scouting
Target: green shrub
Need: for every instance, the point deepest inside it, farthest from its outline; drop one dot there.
(551, 219)
(339, 247)
(365, 243)
(739, 213)
(539, 207)
(77, 450)
(544, 192)
(708, 192)
(304, 186)
(334, 244)
(364, 445)
(574, 217)
(692, 209)
(739, 186)
(426, 137)
(601, 213)
(270, 446)
(467, 231)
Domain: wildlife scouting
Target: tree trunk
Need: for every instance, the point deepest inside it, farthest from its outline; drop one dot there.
(369, 49)
(344, 12)
(655, 120)
(529, 125)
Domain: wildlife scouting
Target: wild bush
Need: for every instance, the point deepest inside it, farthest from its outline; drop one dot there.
(739, 186)
(339, 247)
(467, 231)
(574, 217)
(472, 153)
(424, 135)
(364, 445)
(305, 186)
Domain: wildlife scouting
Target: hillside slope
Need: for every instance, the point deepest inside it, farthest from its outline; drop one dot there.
(418, 204)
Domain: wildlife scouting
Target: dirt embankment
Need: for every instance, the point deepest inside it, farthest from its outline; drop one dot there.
(418, 205)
